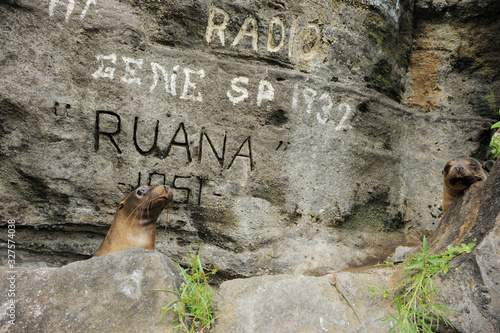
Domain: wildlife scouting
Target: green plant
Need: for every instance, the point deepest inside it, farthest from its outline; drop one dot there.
(417, 312)
(194, 305)
(495, 146)
(495, 141)
(374, 291)
(386, 262)
(496, 125)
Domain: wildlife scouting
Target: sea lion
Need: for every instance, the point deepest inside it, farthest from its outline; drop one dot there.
(458, 174)
(134, 224)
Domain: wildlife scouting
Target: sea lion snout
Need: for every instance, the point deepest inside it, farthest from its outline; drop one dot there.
(163, 192)
(167, 190)
(460, 170)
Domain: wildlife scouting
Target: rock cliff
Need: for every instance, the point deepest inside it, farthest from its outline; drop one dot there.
(297, 136)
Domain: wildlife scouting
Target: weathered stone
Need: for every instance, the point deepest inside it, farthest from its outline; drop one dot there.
(402, 253)
(263, 156)
(105, 294)
(451, 84)
(278, 124)
(471, 286)
(298, 136)
(286, 303)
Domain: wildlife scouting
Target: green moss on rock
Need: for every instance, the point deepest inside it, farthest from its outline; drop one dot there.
(372, 216)
(384, 80)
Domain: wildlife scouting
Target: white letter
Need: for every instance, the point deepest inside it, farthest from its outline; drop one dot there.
(291, 39)
(155, 67)
(275, 20)
(69, 9)
(326, 108)
(131, 71)
(245, 32)
(243, 91)
(309, 95)
(266, 92)
(105, 72)
(305, 40)
(173, 80)
(211, 26)
(347, 116)
(295, 98)
(87, 5)
(188, 84)
(52, 4)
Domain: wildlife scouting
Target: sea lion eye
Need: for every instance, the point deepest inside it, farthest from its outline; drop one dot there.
(140, 192)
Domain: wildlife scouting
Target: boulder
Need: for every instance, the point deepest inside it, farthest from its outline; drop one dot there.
(297, 303)
(104, 294)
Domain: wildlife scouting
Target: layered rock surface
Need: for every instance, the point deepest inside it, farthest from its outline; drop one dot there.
(112, 293)
(296, 135)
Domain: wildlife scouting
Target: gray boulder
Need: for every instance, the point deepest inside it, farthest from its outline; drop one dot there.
(104, 294)
(291, 303)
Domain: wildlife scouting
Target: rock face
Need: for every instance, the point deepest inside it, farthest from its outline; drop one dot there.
(105, 294)
(452, 77)
(471, 287)
(297, 136)
(286, 303)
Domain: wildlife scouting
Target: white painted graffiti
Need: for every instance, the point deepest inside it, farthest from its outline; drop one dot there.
(304, 98)
(70, 6)
(306, 40)
(190, 91)
(265, 92)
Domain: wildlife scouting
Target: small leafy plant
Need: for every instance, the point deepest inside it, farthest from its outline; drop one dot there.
(495, 146)
(417, 312)
(496, 125)
(495, 141)
(194, 305)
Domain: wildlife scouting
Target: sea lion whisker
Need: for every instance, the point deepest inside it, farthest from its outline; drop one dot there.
(134, 224)
(135, 212)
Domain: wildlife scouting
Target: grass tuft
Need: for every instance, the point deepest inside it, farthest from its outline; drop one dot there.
(194, 304)
(417, 310)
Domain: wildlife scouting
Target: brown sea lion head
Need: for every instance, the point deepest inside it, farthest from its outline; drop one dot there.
(134, 224)
(144, 204)
(461, 172)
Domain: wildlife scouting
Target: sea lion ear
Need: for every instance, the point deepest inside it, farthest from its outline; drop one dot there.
(120, 206)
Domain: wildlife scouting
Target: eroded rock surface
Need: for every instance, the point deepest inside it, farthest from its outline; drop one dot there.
(105, 294)
(296, 135)
(291, 303)
(471, 286)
